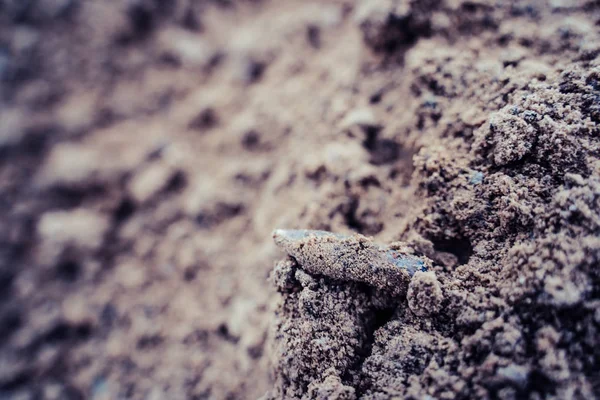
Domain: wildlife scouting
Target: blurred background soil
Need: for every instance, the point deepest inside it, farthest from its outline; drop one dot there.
(149, 147)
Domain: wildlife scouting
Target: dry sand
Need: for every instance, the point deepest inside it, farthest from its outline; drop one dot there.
(149, 148)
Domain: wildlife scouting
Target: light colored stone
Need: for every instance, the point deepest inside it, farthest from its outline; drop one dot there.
(149, 181)
(83, 229)
(189, 48)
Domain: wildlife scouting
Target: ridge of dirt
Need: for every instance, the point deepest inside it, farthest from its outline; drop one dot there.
(501, 140)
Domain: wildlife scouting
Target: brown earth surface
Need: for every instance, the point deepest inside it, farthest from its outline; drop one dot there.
(148, 148)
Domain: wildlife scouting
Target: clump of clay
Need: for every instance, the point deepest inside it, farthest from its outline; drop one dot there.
(424, 294)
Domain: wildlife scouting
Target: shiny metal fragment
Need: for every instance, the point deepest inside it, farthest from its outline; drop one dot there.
(350, 258)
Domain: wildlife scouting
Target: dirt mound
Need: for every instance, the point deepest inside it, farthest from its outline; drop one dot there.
(149, 148)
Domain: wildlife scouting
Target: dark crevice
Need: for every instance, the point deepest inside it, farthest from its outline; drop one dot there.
(205, 120)
(460, 247)
(351, 219)
(125, 210)
(381, 318)
(149, 342)
(354, 222)
(176, 183)
(34, 143)
(10, 322)
(64, 197)
(251, 140)
(539, 382)
(6, 280)
(24, 378)
(142, 23)
(68, 270)
(399, 33)
(191, 22)
(220, 213)
(109, 315)
(59, 333)
(382, 151)
(62, 333)
(255, 71)
(313, 36)
(378, 319)
(190, 273)
(223, 332)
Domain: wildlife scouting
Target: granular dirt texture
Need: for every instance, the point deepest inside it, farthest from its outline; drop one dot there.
(149, 148)
(351, 258)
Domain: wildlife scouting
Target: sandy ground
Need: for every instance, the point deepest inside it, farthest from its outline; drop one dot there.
(149, 148)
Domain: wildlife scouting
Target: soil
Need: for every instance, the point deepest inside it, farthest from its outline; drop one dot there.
(149, 148)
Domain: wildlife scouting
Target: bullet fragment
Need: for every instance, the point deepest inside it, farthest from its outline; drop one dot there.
(350, 258)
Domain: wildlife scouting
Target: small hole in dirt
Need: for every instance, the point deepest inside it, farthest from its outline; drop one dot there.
(313, 35)
(149, 341)
(68, 270)
(6, 280)
(504, 39)
(36, 139)
(105, 117)
(204, 220)
(191, 22)
(72, 393)
(371, 134)
(10, 322)
(63, 331)
(142, 20)
(469, 7)
(205, 120)
(176, 183)
(256, 351)
(539, 382)
(198, 336)
(383, 151)
(255, 71)
(460, 247)
(251, 140)
(83, 331)
(71, 197)
(109, 315)
(21, 380)
(125, 210)
(190, 274)
(220, 213)
(59, 333)
(376, 98)
(229, 210)
(382, 317)
(66, 197)
(223, 332)
(354, 221)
